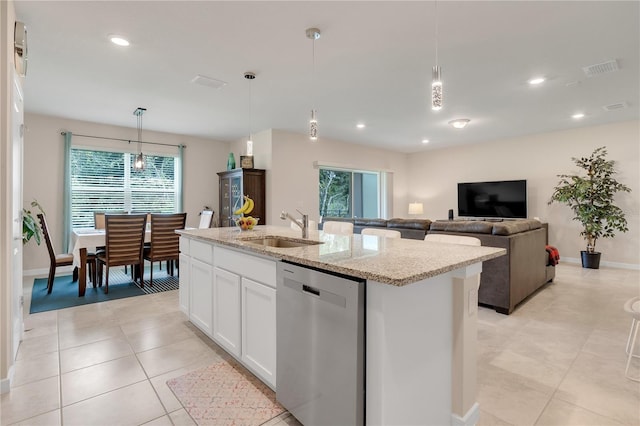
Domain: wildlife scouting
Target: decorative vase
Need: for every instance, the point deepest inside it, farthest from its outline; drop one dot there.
(231, 162)
(590, 260)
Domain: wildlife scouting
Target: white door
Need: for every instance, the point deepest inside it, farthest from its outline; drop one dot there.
(259, 329)
(201, 296)
(17, 124)
(226, 310)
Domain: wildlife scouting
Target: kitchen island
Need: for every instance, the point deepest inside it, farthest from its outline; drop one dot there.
(421, 311)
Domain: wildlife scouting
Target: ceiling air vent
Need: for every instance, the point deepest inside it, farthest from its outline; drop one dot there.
(208, 81)
(603, 68)
(616, 106)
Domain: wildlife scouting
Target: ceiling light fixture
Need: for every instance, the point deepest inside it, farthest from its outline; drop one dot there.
(425, 141)
(119, 40)
(360, 126)
(436, 82)
(460, 123)
(313, 34)
(249, 76)
(537, 80)
(138, 163)
(577, 116)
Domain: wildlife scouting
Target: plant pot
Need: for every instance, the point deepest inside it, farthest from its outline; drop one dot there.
(590, 260)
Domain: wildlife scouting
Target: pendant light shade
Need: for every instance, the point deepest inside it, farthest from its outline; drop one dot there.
(138, 163)
(436, 90)
(313, 34)
(249, 76)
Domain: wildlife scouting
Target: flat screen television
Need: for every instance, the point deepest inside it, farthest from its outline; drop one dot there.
(500, 199)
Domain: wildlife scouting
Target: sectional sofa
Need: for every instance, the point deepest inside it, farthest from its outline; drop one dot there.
(505, 281)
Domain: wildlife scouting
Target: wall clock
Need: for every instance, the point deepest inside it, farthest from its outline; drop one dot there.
(20, 48)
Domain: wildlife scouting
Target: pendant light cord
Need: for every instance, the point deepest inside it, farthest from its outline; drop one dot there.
(313, 73)
(436, 2)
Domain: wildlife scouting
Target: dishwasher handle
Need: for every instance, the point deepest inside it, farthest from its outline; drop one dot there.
(311, 290)
(323, 295)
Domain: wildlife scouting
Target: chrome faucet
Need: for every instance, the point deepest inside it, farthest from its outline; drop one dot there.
(304, 226)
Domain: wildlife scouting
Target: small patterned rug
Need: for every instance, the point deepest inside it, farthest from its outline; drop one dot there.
(225, 394)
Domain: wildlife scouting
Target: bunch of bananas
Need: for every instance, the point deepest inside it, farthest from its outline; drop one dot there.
(248, 222)
(246, 208)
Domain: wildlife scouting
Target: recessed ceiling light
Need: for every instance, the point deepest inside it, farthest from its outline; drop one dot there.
(460, 123)
(537, 80)
(119, 40)
(577, 116)
(360, 125)
(425, 141)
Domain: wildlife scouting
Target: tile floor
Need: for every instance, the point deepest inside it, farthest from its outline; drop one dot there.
(557, 360)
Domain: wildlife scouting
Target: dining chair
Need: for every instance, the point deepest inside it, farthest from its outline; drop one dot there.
(339, 228)
(124, 243)
(65, 259)
(98, 220)
(165, 243)
(206, 218)
(454, 239)
(387, 233)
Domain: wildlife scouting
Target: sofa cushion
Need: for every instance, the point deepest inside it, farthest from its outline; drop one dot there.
(360, 221)
(473, 226)
(510, 227)
(419, 224)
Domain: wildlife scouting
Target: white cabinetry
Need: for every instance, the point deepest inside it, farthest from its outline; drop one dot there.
(259, 328)
(183, 291)
(226, 310)
(201, 285)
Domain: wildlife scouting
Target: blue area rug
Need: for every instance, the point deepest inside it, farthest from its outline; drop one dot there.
(65, 291)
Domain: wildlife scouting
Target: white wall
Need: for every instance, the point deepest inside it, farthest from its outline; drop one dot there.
(293, 180)
(539, 159)
(43, 169)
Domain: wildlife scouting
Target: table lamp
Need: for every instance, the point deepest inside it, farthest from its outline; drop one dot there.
(416, 208)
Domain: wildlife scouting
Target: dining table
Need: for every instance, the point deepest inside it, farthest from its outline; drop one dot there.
(81, 240)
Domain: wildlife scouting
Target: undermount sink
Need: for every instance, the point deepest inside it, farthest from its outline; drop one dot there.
(281, 242)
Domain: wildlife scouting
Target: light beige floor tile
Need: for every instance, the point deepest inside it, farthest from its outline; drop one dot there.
(160, 421)
(30, 400)
(546, 374)
(598, 385)
(159, 336)
(159, 320)
(171, 357)
(132, 405)
(560, 413)
(93, 353)
(488, 419)
(182, 418)
(37, 346)
(51, 418)
(91, 381)
(72, 337)
(40, 324)
(36, 368)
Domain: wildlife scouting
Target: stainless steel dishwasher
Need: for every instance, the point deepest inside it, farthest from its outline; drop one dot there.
(320, 346)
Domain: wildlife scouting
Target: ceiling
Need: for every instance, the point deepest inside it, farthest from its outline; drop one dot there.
(372, 65)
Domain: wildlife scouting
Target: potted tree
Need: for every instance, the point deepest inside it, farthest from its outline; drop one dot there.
(590, 197)
(30, 225)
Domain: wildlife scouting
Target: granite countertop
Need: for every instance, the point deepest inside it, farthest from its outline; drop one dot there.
(387, 260)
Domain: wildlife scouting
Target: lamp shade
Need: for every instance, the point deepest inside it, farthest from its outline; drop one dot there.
(416, 208)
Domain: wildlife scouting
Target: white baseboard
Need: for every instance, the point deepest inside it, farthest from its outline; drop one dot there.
(616, 265)
(63, 270)
(469, 419)
(5, 384)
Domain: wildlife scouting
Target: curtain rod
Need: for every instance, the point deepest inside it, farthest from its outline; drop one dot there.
(124, 140)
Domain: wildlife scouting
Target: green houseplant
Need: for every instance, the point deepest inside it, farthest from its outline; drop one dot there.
(30, 226)
(590, 196)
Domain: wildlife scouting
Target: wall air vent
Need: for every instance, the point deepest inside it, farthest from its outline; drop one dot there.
(208, 81)
(603, 68)
(616, 106)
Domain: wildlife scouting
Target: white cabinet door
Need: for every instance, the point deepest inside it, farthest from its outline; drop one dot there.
(201, 295)
(183, 292)
(226, 310)
(259, 329)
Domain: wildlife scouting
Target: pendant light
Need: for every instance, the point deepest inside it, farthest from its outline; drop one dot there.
(436, 82)
(250, 76)
(313, 34)
(138, 164)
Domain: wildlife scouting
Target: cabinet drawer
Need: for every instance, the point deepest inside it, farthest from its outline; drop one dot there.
(201, 251)
(247, 265)
(184, 245)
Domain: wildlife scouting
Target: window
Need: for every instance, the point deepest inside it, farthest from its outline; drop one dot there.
(349, 193)
(106, 182)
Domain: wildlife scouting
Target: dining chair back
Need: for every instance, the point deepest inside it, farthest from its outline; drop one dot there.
(98, 220)
(124, 242)
(165, 243)
(454, 239)
(206, 218)
(387, 233)
(65, 259)
(339, 228)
